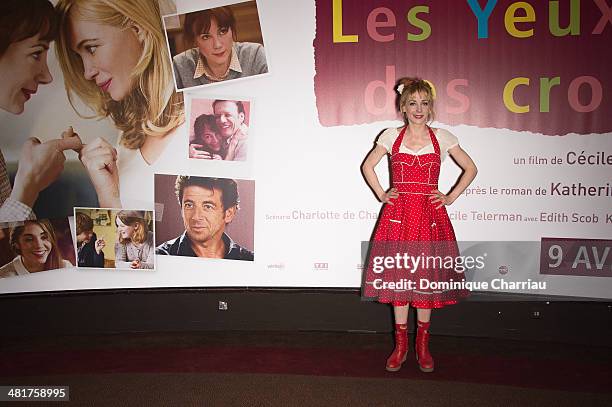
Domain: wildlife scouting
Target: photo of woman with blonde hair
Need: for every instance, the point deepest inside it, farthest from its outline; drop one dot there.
(135, 247)
(115, 61)
(36, 247)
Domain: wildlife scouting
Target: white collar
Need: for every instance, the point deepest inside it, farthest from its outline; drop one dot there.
(19, 266)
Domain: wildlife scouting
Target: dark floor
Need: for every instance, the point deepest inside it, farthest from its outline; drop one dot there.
(379, 341)
(305, 368)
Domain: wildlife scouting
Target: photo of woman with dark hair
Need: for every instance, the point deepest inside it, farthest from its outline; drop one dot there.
(37, 249)
(134, 248)
(27, 29)
(207, 143)
(216, 56)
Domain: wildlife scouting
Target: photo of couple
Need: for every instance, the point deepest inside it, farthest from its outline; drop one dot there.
(219, 129)
(129, 235)
(114, 63)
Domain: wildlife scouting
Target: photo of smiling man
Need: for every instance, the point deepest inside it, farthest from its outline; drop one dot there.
(207, 207)
(230, 118)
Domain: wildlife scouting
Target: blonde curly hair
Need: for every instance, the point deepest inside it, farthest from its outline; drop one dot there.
(409, 86)
(153, 107)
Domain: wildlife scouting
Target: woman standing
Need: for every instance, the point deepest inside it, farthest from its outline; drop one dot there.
(216, 56)
(114, 58)
(36, 247)
(135, 248)
(415, 211)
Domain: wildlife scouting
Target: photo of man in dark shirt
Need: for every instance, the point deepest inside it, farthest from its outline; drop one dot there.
(208, 205)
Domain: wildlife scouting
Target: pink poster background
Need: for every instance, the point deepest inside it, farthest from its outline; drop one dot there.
(481, 66)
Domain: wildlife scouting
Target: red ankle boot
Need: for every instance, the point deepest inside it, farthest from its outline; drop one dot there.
(424, 359)
(394, 363)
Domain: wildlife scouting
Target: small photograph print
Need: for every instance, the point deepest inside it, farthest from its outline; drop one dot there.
(114, 238)
(205, 217)
(215, 45)
(34, 246)
(219, 129)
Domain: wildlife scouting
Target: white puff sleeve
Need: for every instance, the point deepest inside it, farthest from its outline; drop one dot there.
(447, 140)
(387, 138)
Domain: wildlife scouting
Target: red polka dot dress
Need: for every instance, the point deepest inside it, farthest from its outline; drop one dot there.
(412, 227)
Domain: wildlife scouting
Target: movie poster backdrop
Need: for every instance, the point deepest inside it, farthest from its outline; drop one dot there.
(524, 86)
